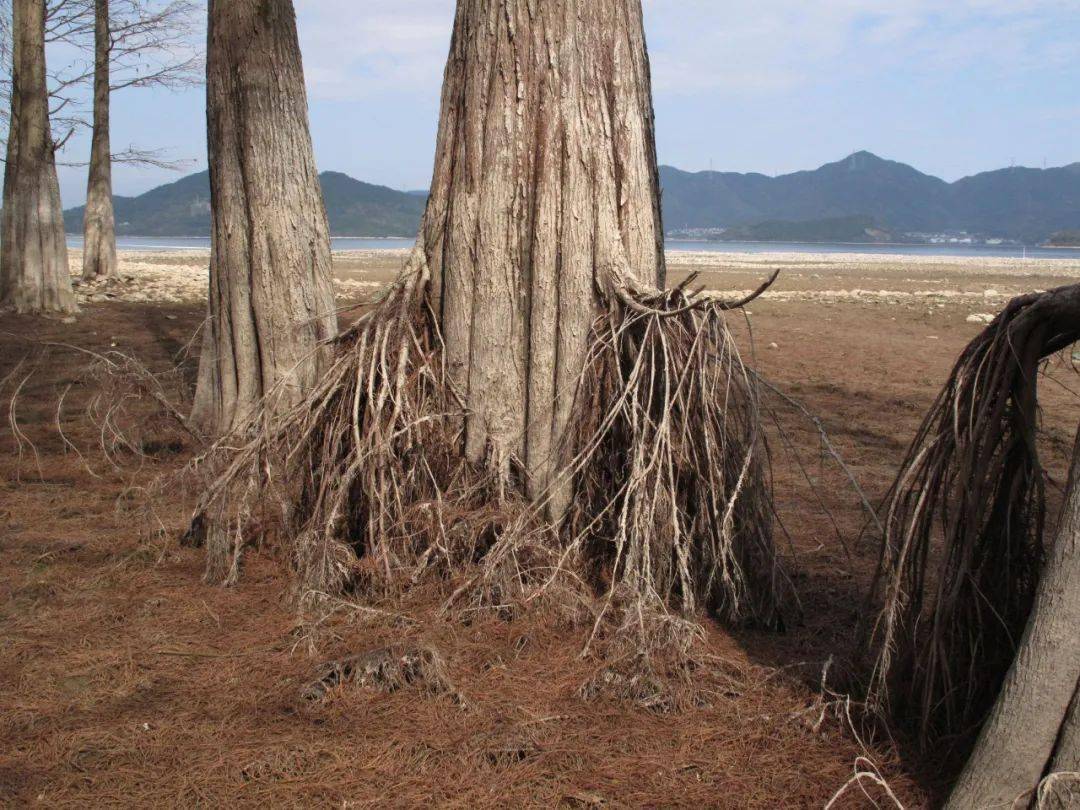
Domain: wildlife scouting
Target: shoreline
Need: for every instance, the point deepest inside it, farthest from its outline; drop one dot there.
(676, 247)
(156, 275)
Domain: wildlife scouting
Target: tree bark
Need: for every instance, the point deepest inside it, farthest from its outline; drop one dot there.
(11, 165)
(34, 270)
(545, 192)
(271, 302)
(99, 223)
(1032, 730)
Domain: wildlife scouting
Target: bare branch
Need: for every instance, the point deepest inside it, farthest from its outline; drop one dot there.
(153, 45)
(154, 158)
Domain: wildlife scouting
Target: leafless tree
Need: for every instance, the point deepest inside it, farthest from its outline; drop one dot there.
(271, 302)
(136, 44)
(67, 22)
(528, 378)
(34, 274)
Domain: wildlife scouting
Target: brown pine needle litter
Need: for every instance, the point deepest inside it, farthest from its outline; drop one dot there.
(669, 507)
(124, 680)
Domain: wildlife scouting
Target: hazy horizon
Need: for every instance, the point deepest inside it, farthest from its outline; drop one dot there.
(781, 87)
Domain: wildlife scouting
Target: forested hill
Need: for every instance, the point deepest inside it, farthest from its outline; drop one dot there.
(183, 209)
(1018, 203)
(1065, 239)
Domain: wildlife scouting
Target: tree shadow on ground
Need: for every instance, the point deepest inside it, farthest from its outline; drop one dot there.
(823, 650)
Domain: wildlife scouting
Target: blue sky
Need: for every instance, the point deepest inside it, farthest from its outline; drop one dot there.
(952, 87)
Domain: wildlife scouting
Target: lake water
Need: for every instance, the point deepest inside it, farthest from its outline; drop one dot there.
(355, 243)
(987, 251)
(166, 243)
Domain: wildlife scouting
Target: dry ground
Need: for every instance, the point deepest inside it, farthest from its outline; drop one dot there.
(125, 681)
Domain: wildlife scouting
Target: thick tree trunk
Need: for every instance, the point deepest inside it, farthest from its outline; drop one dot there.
(545, 194)
(271, 303)
(35, 275)
(1033, 728)
(99, 224)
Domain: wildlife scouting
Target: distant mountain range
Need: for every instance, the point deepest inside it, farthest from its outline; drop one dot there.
(183, 209)
(1022, 204)
(860, 198)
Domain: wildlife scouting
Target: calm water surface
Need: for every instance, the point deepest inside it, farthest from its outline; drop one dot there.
(355, 243)
(166, 243)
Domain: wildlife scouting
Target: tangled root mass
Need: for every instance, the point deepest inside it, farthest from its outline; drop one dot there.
(953, 614)
(670, 502)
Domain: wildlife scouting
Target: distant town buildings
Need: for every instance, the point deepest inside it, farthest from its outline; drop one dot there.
(913, 237)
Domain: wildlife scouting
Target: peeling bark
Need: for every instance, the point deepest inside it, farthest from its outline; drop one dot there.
(34, 275)
(545, 192)
(99, 222)
(271, 302)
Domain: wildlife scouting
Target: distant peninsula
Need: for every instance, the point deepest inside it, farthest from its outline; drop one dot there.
(1067, 238)
(836, 229)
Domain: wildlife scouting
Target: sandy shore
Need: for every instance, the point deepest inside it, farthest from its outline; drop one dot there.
(976, 284)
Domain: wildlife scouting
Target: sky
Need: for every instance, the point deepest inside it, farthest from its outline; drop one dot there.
(952, 87)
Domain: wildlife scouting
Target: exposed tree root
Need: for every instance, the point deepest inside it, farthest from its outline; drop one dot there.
(669, 502)
(673, 500)
(385, 670)
(363, 472)
(1058, 791)
(648, 655)
(866, 773)
(950, 621)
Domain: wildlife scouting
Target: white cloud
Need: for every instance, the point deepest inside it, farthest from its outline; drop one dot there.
(736, 48)
(356, 49)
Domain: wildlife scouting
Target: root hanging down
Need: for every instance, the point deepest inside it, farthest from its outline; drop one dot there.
(952, 616)
(362, 475)
(673, 498)
(669, 501)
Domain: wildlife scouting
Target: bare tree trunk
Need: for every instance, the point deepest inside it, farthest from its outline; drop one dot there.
(1033, 728)
(35, 265)
(535, 278)
(271, 303)
(545, 192)
(8, 253)
(99, 223)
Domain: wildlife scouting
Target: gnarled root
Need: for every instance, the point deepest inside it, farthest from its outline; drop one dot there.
(669, 493)
(673, 498)
(384, 670)
(364, 473)
(950, 623)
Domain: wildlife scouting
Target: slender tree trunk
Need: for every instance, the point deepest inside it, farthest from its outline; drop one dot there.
(8, 275)
(99, 223)
(271, 303)
(1033, 729)
(36, 277)
(545, 192)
